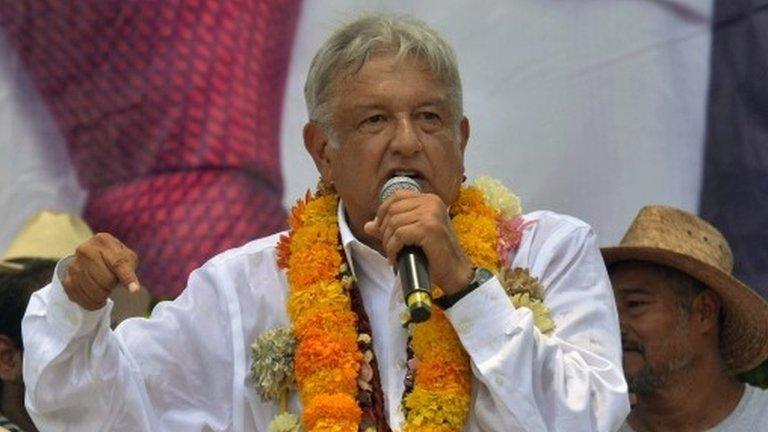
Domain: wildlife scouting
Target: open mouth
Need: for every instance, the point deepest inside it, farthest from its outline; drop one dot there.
(405, 173)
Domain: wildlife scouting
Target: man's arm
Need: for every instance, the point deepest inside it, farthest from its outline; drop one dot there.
(169, 373)
(568, 380)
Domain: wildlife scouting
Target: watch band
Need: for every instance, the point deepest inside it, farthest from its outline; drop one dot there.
(480, 276)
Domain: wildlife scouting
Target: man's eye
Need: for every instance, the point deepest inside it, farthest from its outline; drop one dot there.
(430, 116)
(378, 118)
(633, 304)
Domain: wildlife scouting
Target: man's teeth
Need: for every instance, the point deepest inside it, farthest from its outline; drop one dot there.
(405, 174)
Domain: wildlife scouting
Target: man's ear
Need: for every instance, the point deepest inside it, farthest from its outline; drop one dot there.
(10, 360)
(463, 134)
(319, 146)
(706, 307)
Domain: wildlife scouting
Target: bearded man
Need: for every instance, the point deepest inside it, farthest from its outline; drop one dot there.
(524, 337)
(687, 326)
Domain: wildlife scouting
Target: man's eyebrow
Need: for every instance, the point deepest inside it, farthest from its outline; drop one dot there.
(367, 106)
(632, 290)
(437, 101)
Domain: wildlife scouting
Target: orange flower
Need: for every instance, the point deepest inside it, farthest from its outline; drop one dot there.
(436, 374)
(327, 353)
(471, 201)
(309, 266)
(328, 322)
(338, 407)
(296, 218)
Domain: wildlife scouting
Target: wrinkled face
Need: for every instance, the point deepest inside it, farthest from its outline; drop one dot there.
(654, 332)
(390, 118)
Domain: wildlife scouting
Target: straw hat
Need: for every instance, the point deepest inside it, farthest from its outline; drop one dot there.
(48, 235)
(671, 237)
(55, 235)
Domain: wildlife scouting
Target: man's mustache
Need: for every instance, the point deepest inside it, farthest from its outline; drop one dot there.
(628, 345)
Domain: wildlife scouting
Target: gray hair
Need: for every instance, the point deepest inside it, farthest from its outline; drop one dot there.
(350, 46)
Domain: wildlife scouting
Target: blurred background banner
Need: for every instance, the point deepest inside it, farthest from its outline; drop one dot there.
(162, 119)
(169, 114)
(734, 194)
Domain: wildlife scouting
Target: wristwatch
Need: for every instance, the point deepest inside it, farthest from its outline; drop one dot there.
(480, 276)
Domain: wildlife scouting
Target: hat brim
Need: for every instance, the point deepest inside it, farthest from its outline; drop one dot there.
(744, 335)
(10, 267)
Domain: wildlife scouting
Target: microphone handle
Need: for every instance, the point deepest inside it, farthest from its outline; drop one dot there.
(414, 277)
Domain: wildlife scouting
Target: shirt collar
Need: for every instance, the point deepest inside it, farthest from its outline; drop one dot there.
(354, 249)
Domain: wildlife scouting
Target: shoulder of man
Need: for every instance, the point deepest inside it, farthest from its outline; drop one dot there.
(264, 245)
(547, 227)
(555, 220)
(757, 395)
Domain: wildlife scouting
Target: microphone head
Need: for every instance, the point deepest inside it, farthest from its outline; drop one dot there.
(396, 184)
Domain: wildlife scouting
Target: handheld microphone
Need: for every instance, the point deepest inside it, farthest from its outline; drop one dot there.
(411, 261)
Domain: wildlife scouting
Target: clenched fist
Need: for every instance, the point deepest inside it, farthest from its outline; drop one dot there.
(100, 265)
(421, 219)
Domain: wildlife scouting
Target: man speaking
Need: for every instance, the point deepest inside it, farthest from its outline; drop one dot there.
(309, 329)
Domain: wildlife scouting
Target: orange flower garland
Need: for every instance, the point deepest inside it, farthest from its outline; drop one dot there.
(327, 360)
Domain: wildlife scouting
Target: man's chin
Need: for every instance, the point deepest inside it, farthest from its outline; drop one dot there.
(643, 381)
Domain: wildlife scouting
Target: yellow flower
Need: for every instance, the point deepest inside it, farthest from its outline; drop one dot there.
(428, 408)
(477, 236)
(285, 422)
(319, 296)
(498, 196)
(314, 234)
(321, 210)
(541, 318)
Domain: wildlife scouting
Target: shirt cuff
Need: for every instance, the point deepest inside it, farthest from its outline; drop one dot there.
(484, 319)
(71, 319)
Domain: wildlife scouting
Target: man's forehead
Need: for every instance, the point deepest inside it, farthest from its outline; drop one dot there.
(372, 70)
(639, 277)
(374, 103)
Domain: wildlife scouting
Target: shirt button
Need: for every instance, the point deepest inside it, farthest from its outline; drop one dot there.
(72, 318)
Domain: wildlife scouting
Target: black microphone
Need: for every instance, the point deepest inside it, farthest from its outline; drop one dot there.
(411, 261)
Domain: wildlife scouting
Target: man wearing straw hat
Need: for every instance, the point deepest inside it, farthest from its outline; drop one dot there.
(687, 326)
(25, 267)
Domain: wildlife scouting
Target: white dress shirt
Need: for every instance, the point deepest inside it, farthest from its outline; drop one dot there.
(186, 368)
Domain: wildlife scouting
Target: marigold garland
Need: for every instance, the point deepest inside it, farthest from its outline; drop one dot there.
(328, 360)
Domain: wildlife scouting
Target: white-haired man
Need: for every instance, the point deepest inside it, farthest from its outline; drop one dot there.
(384, 100)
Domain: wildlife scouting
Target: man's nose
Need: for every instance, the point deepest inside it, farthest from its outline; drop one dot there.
(406, 139)
(623, 327)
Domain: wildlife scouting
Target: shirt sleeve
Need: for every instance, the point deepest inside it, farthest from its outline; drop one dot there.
(567, 380)
(170, 372)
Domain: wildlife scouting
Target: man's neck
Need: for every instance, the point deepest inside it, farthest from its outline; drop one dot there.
(692, 401)
(12, 406)
(355, 225)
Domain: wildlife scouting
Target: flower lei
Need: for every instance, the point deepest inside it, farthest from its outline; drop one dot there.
(329, 357)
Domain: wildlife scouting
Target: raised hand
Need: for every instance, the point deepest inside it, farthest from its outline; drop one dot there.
(100, 265)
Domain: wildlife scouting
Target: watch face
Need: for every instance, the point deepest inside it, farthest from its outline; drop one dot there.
(482, 275)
